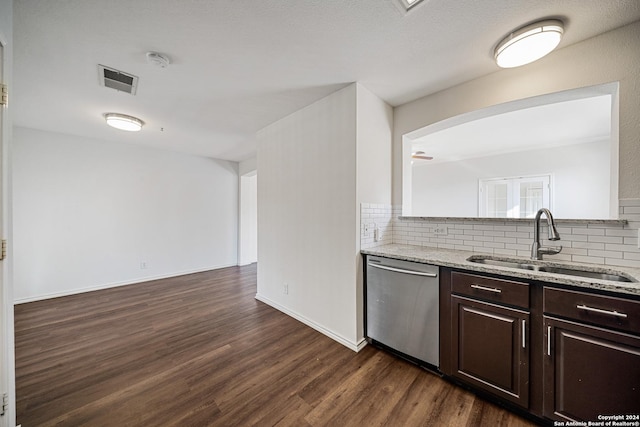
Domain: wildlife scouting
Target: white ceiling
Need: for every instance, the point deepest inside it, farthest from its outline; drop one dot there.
(239, 65)
(578, 121)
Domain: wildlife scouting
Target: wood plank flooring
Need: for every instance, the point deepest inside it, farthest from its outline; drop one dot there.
(199, 350)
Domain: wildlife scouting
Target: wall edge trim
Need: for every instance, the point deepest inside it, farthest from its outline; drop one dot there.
(354, 346)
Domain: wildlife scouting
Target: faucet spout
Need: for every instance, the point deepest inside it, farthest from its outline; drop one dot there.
(537, 250)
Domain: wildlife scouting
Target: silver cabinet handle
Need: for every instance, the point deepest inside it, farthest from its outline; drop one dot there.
(548, 340)
(485, 288)
(399, 270)
(524, 333)
(597, 310)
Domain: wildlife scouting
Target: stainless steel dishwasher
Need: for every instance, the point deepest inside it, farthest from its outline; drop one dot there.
(402, 301)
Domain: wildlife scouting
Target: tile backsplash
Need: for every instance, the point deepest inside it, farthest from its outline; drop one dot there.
(595, 242)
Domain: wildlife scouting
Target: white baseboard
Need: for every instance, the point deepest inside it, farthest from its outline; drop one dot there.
(355, 346)
(115, 284)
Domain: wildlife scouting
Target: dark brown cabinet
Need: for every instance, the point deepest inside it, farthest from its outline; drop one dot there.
(490, 348)
(590, 369)
(490, 339)
(558, 353)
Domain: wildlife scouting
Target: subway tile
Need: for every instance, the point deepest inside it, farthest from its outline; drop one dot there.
(592, 243)
(506, 239)
(630, 241)
(494, 233)
(629, 202)
(518, 247)
(588, 231)
(483, 238)
(605, 254)
(518, 235)
(622, 248)
(588, 259)
(502, 251)
(606, 239)
(587, 245)
(483, 227)
(622, 262)
(494, 245)
(558, 257)
(506, 228)
(632, 256)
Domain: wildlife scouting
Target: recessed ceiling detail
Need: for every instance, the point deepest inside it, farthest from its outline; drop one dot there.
(118, 80)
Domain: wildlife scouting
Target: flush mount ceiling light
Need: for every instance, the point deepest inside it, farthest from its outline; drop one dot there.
(529, 43)
(410, 3)
(405, 5)
(124, 122)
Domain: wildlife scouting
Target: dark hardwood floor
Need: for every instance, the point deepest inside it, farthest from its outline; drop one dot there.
(199, 350)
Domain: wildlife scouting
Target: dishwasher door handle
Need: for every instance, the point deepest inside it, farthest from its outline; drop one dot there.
(400, 270)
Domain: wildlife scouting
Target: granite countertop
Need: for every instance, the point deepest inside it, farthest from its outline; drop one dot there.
(458, 259)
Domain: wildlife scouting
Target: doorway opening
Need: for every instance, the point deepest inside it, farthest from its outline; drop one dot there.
(248, 235)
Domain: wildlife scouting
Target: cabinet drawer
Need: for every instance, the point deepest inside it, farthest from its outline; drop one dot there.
(600, 310)
(490, 289)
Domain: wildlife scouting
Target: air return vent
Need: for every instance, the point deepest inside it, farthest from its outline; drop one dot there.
(118, 80)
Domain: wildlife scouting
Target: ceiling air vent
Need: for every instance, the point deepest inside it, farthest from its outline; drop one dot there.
(118, 80)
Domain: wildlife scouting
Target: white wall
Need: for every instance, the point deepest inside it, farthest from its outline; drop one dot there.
(581, 180)
(309, 188)
(89, 213)
(374, 126)
(306, 215)
(609, 57)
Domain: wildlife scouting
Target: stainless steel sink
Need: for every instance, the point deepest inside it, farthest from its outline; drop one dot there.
(592, 273)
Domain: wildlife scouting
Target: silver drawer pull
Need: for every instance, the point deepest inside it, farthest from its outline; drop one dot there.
(524, 333)
(548, 340)
(400, 270)
(597, 310)
(485, 288)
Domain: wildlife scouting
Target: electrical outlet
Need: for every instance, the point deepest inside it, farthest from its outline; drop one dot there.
(440, 231)
(377, 233)
(143, 265)
(367, 228)
(285, 289)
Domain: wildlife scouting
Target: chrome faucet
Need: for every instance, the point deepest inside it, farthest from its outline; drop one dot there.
(537, 250)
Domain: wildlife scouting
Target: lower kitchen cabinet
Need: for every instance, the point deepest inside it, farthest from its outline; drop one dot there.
(489, 348)
(592, 361)
(590, 371)
(557, 353)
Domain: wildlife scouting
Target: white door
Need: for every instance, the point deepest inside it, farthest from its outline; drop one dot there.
(6, 306)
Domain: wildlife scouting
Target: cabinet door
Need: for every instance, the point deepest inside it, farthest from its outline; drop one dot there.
(490, 348)
(589, 371)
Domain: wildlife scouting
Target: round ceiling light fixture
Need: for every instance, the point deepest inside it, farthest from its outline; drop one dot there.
(124, 122)
(529, 43)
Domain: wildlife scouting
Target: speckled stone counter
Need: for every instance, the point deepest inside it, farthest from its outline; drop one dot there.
(459, 259)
